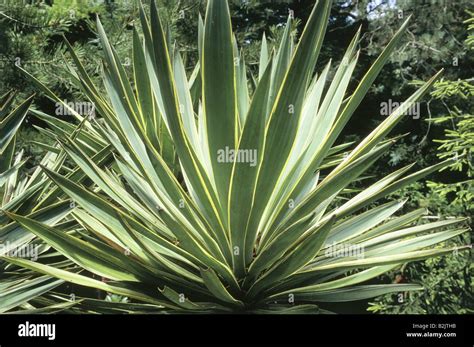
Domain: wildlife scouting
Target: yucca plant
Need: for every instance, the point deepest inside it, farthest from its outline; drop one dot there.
(17, 195)
(30, 193)
(254, 221)
(23, 194)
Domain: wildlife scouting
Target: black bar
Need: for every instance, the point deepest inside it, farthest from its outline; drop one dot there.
(237, 329)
